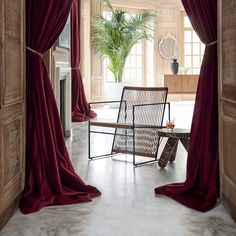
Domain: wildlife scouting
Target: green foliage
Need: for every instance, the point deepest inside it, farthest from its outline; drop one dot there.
(114, 38)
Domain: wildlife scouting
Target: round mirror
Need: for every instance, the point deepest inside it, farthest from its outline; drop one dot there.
(168, 47)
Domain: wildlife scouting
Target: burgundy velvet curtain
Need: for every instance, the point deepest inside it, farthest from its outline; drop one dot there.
(50, 177)
(80, 107)
(201, 188)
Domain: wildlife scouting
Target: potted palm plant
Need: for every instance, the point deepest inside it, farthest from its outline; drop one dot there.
(114, 38)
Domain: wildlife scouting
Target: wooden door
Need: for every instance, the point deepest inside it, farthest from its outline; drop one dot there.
(227, 99)
(12, 106)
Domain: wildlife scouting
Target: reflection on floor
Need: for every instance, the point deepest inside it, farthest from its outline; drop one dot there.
(128, 205)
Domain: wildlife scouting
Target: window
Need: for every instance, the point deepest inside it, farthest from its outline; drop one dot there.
(193, 48)
(136, 68)
(133, 71)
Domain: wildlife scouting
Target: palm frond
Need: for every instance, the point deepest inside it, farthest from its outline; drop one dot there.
(114, 38)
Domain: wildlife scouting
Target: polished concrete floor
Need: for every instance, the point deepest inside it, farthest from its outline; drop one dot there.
(128, 205)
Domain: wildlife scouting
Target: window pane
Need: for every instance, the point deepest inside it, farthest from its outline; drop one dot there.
(133, 50)
(139, 74)
(110, 76)
(187, 49)
(139, 61)
(195, 38)
(107, 15)
(139, 83)
(196, 61)
(189, 72)
(127, 63)
(187, 36)
(187, 22)
(132, 61)
(193, 48)
(133, 71)
(202, 48)
(139, 48)
(126, 75)
(133, 74)
(133, 83)
(196, 49)
(187, 61)
(196, 71)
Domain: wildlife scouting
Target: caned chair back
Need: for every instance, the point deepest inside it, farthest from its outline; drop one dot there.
(144, 108)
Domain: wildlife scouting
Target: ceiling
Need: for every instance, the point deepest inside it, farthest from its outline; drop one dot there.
(149, 3)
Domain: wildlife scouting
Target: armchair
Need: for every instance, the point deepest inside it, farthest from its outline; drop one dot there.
(141, 113)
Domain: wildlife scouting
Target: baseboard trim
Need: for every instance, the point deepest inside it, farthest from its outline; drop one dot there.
(8, 213)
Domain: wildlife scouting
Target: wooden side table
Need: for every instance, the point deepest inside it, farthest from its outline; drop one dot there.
(169, 151)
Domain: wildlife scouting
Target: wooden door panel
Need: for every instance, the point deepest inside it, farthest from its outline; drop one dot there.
(229, 147)
(12, 149)
(227, 99)
(229, 195)
(228, 108)
(228, 90)
(14, 48)
(12, 106)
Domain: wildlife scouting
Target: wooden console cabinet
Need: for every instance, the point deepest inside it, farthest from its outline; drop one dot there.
(181, 83)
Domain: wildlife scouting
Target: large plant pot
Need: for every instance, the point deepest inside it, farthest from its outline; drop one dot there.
(112, 92)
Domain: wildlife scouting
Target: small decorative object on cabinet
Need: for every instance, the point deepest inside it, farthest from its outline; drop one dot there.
(174, 66)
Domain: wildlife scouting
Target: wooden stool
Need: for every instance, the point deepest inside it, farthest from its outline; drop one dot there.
(169, 151)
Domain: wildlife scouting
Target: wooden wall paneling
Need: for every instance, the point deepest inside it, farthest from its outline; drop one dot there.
(168, 22)
(13, 89)
(227, 102)
(2, 52)
(11, 135)
(229, 147)
(85, 64)
(12, 108)
(97, 79)
(12, 160)
(96, 62)
(96, 90)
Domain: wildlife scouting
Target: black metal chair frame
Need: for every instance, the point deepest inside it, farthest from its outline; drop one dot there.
(131, 126)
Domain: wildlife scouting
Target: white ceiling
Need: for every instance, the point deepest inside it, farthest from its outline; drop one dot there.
(149, 3)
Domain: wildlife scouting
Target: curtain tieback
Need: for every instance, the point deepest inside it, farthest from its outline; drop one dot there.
(75, 68)
(210, 44)
(32, 50)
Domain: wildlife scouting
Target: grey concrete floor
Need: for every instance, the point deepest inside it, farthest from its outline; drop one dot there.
(128, 205)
